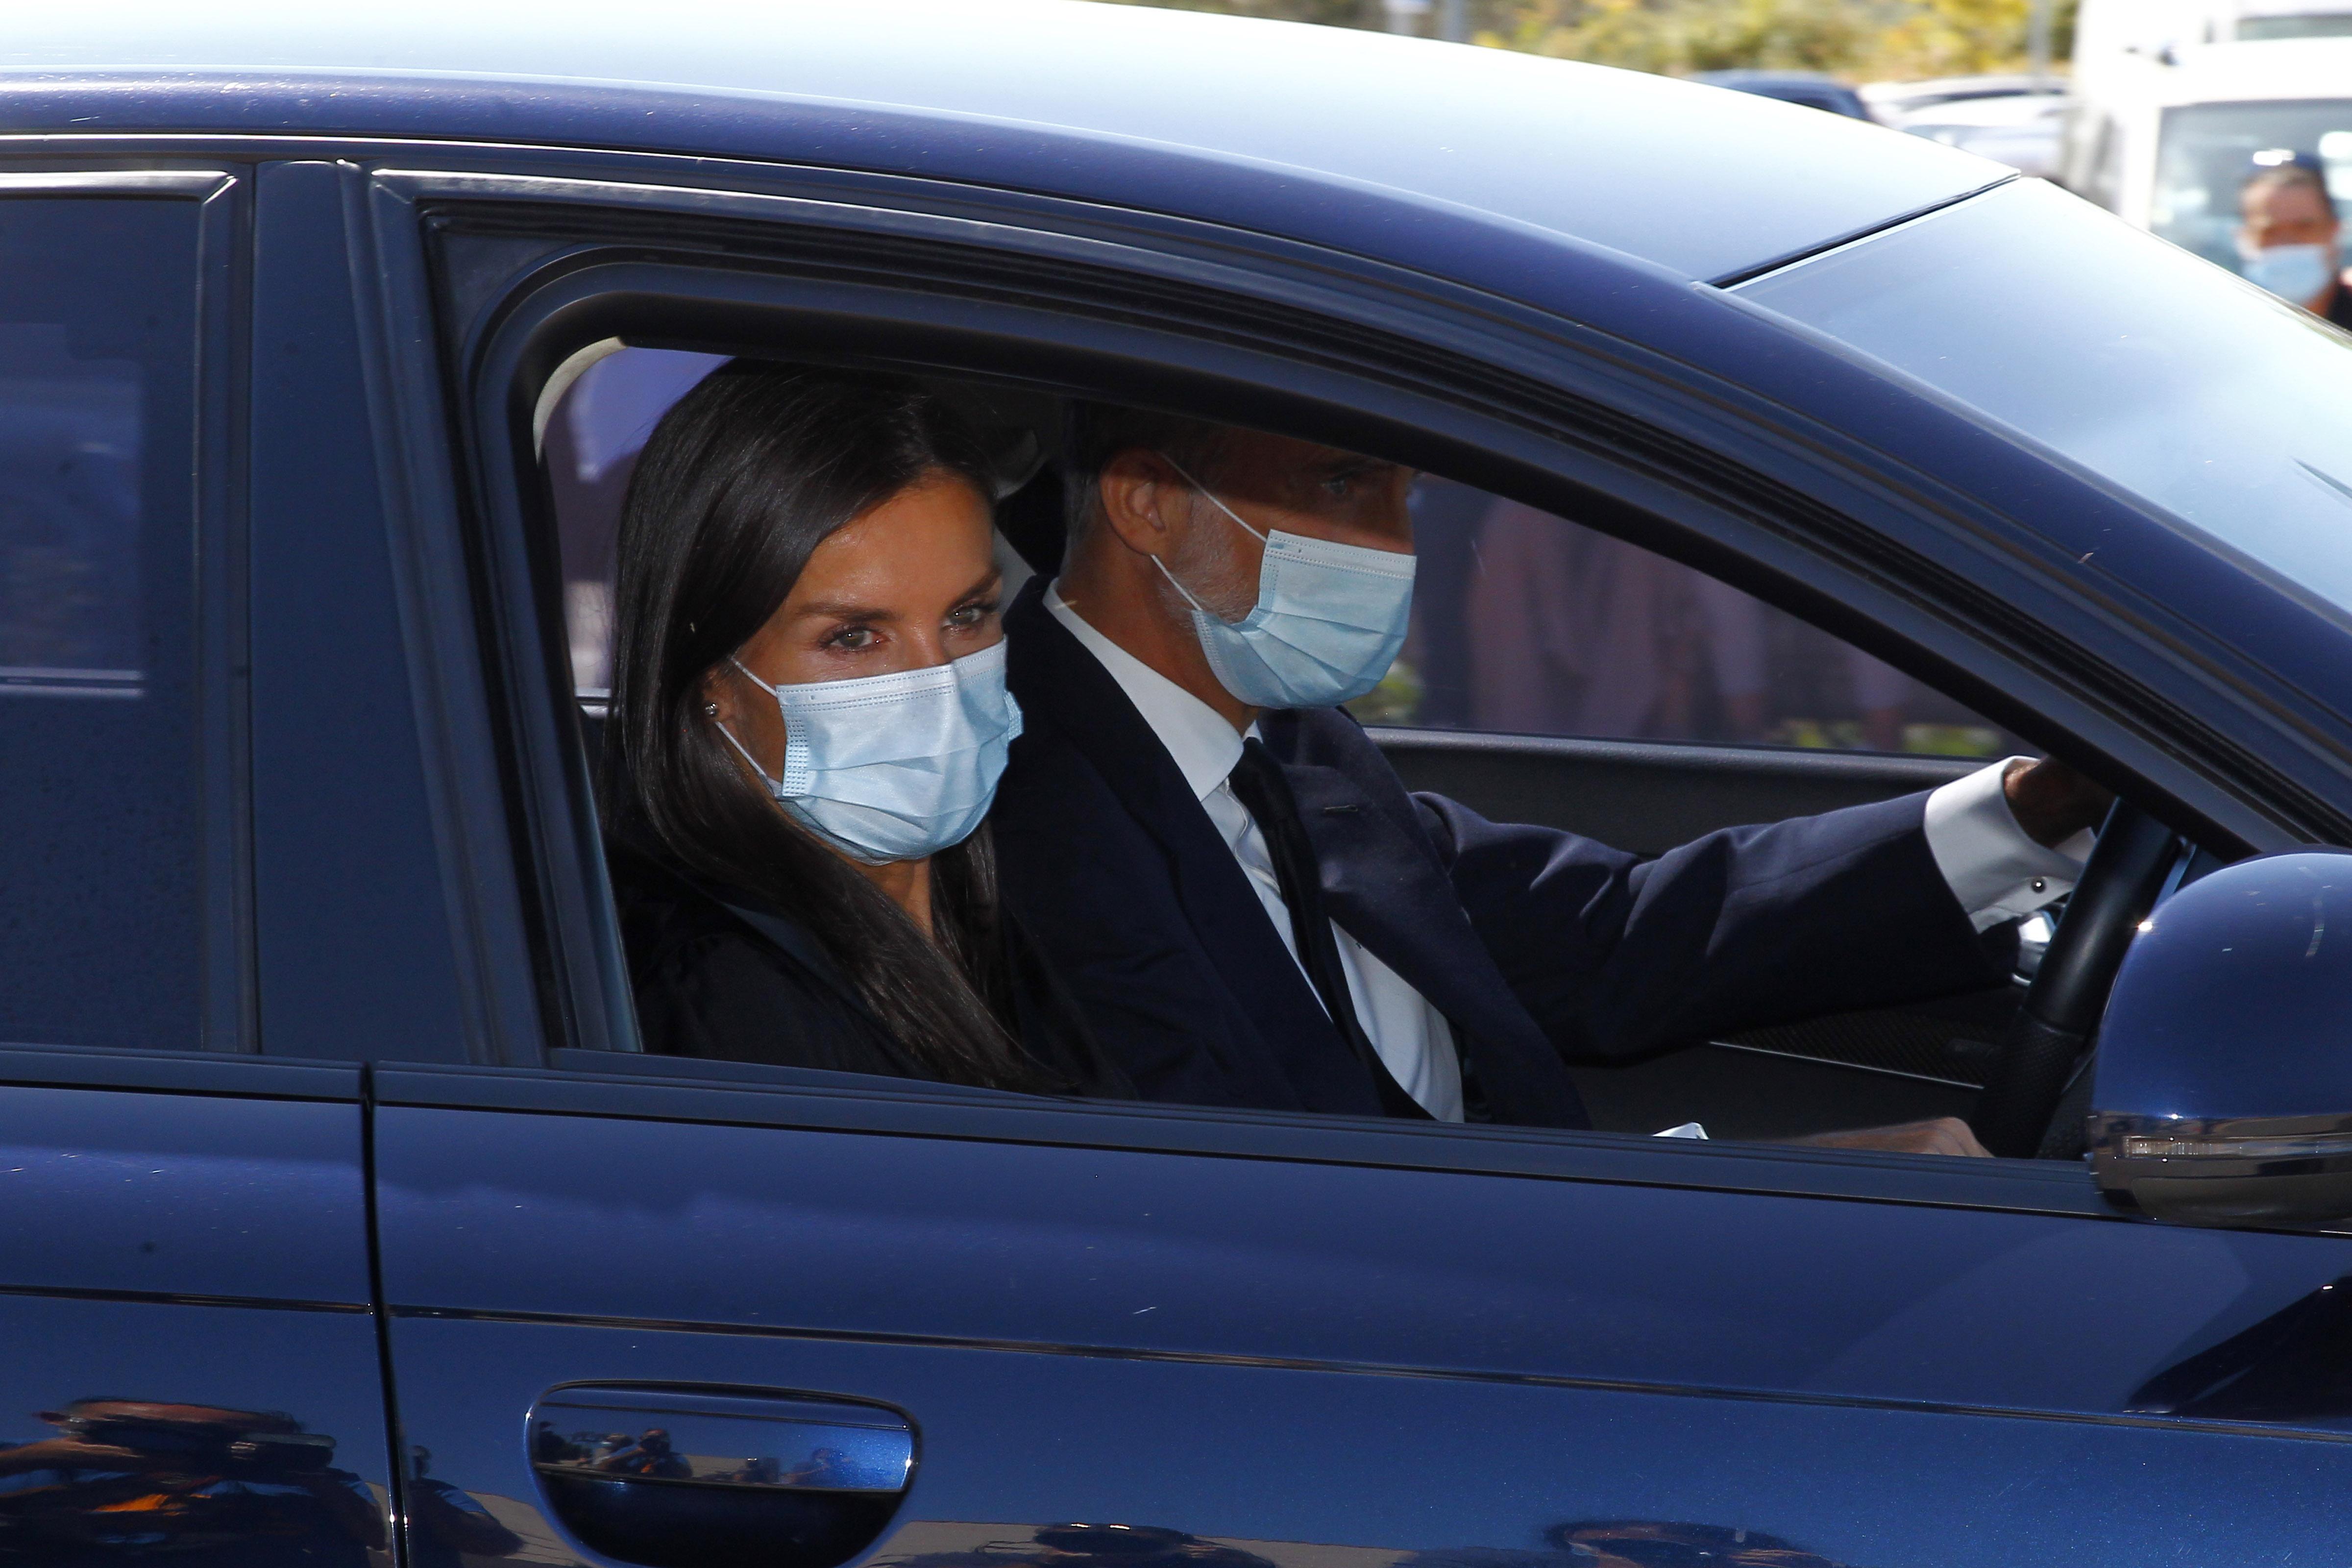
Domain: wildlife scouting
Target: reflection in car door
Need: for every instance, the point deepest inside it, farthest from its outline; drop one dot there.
(1260, 1338)
(193, 1375)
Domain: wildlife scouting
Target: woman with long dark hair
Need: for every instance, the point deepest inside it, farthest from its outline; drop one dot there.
(808, 716)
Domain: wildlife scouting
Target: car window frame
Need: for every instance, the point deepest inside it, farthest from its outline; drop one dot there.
(557, 259)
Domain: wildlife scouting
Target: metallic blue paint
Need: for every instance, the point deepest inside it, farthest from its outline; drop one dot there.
(186, 1290)
(195, 1436)
(1104, 1252)
(331, 696)
(2231, 1003)
(1040, 94)
(1305, 1467)
(180, 1196)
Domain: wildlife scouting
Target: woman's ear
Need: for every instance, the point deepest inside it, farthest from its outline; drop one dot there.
(1137, 488)
(718, 701)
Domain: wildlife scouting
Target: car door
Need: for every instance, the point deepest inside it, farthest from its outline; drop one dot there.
(649, 1310)
(1248, 1335)
(186, 1294)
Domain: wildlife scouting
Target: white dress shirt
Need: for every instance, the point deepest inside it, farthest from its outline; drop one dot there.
(1994, 869)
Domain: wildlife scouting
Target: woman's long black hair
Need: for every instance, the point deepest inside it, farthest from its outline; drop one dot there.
(737, 485)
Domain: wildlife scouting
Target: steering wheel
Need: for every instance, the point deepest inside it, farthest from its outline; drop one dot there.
(2055, 1023)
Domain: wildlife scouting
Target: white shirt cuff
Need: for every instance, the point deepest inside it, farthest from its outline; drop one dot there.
(1994, 869)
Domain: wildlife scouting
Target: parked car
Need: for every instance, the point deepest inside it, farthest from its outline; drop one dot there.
(346, 1223)
(1893, 102)
(1812, 88)
(2024, 131)
(2165, 143)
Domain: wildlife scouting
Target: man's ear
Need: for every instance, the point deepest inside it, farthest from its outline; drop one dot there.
(1138, 489)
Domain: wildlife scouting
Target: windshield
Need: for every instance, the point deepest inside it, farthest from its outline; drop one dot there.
(2226, 407)
(2206, 150)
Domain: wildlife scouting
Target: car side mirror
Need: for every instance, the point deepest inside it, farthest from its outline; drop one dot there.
(2223, 1093)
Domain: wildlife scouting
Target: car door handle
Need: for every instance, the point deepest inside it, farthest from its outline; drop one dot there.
(699, 1478)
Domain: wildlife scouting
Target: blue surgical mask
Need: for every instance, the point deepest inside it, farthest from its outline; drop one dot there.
(2295, 273)
(1328, 621)
(893, 767)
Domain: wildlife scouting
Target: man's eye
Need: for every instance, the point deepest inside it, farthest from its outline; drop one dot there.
(1339, 487)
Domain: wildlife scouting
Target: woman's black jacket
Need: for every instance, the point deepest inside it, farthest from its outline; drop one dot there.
(719, 974)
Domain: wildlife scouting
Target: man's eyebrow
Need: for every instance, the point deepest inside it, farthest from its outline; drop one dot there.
(1351, 463)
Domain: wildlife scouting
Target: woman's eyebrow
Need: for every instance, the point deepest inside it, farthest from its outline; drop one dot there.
(843, 610)
(989, 582)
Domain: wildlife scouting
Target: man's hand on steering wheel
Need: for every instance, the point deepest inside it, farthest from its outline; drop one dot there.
(2051, 802)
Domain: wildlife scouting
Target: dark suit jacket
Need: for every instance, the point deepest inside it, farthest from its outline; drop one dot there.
(1538, 945)
(717, 974)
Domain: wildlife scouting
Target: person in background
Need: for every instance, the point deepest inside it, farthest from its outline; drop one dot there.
(2289, 240)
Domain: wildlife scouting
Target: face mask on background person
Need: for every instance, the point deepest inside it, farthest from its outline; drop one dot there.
(2295, 273)
(893, 767)
(1328, 621)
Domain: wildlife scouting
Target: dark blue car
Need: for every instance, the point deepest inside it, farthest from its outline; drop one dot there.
(343, 1220)
(1811, 89)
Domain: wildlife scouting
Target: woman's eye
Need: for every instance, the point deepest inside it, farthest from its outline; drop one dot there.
(856, 639)
(964, 617)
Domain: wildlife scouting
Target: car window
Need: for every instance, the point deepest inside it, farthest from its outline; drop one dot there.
(1523, 623)
(2320, 26)
(1529, 623)
(2223, 406)
(98, 930)
(592, 439)
(2205, 151)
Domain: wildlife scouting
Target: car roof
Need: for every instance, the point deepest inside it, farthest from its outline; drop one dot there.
(1702, 183)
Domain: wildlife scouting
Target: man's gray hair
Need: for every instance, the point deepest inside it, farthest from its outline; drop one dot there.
(1095, 433)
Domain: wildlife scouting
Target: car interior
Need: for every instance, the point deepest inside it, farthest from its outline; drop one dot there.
(1555, 673)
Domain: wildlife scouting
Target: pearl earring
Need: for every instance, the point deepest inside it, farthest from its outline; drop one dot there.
(711, 708)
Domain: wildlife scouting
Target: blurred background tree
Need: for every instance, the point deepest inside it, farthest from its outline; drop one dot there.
(1859, 39)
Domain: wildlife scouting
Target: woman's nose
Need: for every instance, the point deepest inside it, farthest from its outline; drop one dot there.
(926, 650)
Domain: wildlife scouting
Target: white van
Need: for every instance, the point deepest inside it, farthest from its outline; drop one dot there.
(2109, 30)
(2166, 139)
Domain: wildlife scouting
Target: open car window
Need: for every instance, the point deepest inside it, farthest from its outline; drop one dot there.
(1524, 623)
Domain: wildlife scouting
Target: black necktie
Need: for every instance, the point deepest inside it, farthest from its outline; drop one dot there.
(1258, 784)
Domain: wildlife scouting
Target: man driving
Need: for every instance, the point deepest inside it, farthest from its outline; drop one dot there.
(1254, 911)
